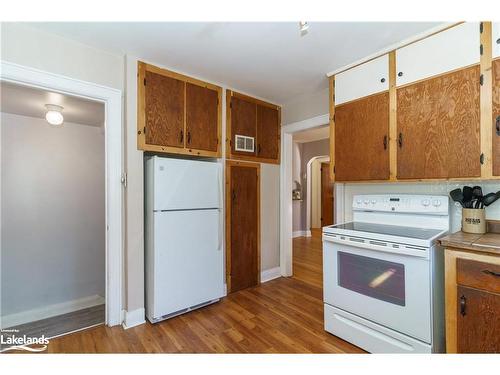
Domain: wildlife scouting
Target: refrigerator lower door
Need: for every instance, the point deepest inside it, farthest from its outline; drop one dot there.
(188, 261)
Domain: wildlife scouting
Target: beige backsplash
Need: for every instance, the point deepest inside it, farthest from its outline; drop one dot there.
(435, 188)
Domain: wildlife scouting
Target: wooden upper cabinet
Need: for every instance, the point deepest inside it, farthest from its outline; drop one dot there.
(177, 114)
(268, 132)
(202, 128)
(438, 127)
(164, 110)
(363, 80)
(449, 50)
(257, 120)
(362, 139)
(243, 120)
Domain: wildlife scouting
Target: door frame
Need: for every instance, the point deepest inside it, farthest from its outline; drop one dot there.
(112, 100)
(321, 159)
(286, 187)
(229, 164)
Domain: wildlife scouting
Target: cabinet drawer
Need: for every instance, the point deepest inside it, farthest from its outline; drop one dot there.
(479, 275)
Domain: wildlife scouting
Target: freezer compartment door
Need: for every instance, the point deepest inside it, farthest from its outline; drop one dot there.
(186, 184)
(188, 260)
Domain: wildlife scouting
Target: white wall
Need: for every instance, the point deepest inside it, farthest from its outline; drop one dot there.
(437, 188)
(306, 106)
(53, 213)
(269, 218)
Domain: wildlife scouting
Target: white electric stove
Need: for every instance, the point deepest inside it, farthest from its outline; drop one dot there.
(383, 274)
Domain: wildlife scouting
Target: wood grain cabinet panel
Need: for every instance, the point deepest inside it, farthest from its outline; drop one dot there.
(201, 118)
(362, 139)
(164, 110)
(268, 132)
(243, 121)
(326, 196)
(478, 321)
(244, 264)
(496, 116)
(438, 127)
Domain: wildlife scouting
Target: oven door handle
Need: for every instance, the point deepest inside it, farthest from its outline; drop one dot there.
(377, 245)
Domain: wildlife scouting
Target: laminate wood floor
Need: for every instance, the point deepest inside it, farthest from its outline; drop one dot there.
(284, 315)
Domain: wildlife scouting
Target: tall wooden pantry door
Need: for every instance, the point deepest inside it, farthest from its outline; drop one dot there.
(242, 225)
(326, 196)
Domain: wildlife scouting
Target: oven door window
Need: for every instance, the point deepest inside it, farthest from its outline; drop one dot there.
(372, 277)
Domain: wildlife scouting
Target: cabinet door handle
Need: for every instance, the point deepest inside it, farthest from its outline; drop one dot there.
(233, 195)
(382, 80)
(258, 149)
(497, 125)
(400, 140)
(491, 273)
(400, 74)
(181, 137)
(189, 137)
(385, 142)
(463, 302)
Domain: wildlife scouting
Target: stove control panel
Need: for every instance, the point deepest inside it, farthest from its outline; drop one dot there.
(402, 203)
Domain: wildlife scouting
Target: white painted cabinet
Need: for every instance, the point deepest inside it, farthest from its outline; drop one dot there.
(363, 80)
(495, 39)
(451, 49)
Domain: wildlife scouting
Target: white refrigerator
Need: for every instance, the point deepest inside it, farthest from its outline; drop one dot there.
(184, 255)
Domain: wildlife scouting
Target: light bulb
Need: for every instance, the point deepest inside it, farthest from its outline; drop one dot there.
(54, 115)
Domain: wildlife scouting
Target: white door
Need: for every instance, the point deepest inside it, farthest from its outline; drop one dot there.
(390, 289)
(188, 264)
(366, 79)
(181, 184)
(448, 50)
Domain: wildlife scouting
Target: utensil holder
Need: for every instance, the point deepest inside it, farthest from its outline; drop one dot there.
(474, 220)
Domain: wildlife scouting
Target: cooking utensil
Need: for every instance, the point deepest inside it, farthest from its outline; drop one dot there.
(491, 198)
(477, 196)
(467, 193)
(457, 196)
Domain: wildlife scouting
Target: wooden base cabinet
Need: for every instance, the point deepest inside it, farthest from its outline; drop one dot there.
(177, 114)
(472, 281)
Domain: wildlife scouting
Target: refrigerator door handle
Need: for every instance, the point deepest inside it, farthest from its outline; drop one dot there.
(221, 211)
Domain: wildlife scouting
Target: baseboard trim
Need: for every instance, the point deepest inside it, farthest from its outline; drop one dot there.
(134, 318)
(308, 233)
(270, 274)
(299, 233)
(50, 311)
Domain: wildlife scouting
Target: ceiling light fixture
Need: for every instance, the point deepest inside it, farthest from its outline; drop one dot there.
(304, 28)
(54, 114)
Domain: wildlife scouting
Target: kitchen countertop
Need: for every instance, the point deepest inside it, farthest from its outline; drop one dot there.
(481, 243)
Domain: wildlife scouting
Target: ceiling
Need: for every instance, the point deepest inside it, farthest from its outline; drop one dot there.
(28, 101)
(312, 135)
(270, 59)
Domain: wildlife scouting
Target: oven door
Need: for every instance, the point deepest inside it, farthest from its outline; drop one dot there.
(372, 280)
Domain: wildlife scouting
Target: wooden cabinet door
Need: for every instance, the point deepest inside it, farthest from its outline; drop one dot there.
(326, 196)
(244, 226)
(478, 321)
(268, 132)
(496, 115)
(362, 139)
(164, 110)
(438, 127)
(201, 118)
(243, 122)
(449, 50)
(363, 80)
(495, 39)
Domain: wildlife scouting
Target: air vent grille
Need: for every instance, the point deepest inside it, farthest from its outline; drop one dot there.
(244, 143)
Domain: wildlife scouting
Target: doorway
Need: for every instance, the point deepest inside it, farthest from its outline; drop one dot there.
(112, 189)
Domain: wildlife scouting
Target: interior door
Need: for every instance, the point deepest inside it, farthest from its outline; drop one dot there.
(478, 321)
(201, 118)
(268, 132)
(326, 196)
(438, 127)
(496, 116)
(244, 227)
(243, 121)
(164, 110)
(362, 139)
